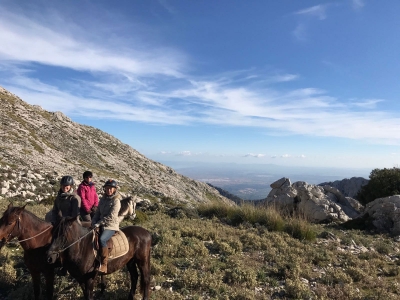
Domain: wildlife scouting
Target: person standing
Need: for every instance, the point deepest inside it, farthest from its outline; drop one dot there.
(106, 216)
(67, 201)
(89, 197)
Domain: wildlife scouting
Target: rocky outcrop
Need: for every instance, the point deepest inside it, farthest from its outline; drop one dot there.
(316, 203)
(384, 214)
(348, 187)
(35, 141)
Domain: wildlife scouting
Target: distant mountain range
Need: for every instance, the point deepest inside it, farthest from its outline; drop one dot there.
(252, 181)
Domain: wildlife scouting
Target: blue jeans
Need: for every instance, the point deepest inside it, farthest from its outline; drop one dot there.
(105, 236)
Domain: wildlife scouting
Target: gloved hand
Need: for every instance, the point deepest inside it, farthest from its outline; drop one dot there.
(93, 210)
(96, 225)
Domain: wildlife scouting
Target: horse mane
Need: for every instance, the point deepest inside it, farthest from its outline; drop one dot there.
(31, 214)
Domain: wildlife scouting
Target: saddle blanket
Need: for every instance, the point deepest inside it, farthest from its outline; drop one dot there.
(117, 245)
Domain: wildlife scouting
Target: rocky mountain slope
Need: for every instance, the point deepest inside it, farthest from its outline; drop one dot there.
(41, 146)
(348, 187)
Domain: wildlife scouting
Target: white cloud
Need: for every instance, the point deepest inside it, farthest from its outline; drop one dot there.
(50, 44)
(254, 155)
(318, 11)
(138, 84)
(300, 32)
(367, 103)
(357, 4)
(185, 153)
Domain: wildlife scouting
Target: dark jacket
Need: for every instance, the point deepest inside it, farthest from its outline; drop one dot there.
(67, 203)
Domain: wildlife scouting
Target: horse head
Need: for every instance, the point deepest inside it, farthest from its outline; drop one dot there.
(128, 208)
(10, 223)
(64, 234)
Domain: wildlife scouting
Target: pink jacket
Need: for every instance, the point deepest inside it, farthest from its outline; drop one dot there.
(89, 197)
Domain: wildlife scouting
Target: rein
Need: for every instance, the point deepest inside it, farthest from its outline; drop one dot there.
(24, 240)
(78, 240)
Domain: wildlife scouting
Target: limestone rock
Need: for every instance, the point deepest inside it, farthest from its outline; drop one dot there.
(316, 203)
(385, 213)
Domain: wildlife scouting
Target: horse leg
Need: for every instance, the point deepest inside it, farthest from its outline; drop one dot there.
(87, 288)
(144, 267)
(134, 278)
(49, 277)
(102, 284)
(36, 284)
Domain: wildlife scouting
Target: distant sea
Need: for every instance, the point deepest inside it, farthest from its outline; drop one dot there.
(252, 181)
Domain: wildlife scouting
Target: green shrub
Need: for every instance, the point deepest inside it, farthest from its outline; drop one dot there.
(382, 183)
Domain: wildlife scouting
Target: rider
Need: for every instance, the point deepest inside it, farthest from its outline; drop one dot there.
(107, 216)
(90, 200)
(67, 201)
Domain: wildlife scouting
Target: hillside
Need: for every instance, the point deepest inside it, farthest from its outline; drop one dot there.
(51, 145)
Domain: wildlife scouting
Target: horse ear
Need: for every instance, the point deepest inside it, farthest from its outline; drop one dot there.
(10, 205)
(23, 207)
(60, 214)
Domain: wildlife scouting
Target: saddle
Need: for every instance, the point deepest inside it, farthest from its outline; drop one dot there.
(117, 245)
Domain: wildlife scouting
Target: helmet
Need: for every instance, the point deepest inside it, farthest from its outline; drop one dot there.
(110, 182)
(67, 180)
(87, 174)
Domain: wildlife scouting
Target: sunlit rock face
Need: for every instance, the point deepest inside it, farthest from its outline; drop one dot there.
(316, 203)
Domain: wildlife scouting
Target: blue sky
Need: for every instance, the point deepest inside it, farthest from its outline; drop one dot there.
(302, 83)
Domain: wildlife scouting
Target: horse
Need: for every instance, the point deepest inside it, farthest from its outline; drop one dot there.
(35, 236)
(73, 245)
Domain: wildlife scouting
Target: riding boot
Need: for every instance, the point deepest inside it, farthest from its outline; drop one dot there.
(104, 259)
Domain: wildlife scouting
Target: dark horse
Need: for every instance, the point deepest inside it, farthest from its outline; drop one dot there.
(73, 244)
(35, 237)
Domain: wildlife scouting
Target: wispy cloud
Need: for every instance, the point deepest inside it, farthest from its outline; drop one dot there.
(367, 103)
(139, 84)
(318, 11)
(254, 155)
(357, 4)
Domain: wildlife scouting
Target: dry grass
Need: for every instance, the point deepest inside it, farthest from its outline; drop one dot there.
(243, 253)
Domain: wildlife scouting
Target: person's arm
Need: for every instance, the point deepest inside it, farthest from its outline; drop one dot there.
(96, 197)
(96, 217)
(84, 199)
(75, 205)
(54, 212)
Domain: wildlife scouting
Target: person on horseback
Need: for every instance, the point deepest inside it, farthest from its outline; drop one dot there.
(67, 201)
(90, 200)
(106, 216)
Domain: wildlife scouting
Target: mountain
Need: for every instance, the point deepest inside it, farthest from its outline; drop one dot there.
(51, 145)
(348, 187)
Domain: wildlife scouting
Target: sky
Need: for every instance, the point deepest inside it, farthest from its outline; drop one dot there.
(291, 83)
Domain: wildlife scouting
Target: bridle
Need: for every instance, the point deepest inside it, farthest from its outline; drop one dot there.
(10, 237)
(63, 248)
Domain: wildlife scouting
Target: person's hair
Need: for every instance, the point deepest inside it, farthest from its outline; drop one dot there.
(87, 174)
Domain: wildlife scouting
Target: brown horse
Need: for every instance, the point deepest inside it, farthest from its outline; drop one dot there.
(35, 236)
(73, 244)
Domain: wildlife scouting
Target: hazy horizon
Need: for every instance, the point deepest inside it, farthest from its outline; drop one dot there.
(252, 181)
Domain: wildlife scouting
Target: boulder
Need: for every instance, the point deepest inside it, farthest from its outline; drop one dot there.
(385, 214)
(317, 203)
